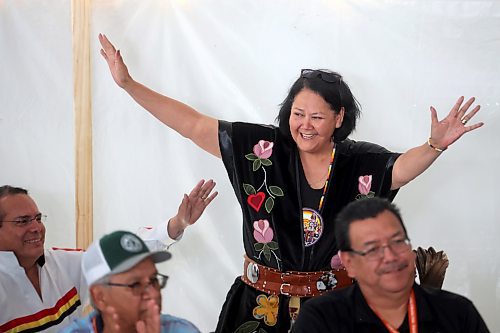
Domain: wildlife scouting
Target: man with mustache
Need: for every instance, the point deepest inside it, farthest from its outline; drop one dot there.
(377, 253)
(42, 289)
(125, 288)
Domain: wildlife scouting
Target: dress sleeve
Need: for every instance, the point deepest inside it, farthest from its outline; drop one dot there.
(226, 146)
(375, 161)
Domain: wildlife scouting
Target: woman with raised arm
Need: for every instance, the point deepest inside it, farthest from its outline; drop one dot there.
(291, 181)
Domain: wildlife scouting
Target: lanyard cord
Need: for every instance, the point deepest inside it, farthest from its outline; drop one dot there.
(412, 316)
(325, 187)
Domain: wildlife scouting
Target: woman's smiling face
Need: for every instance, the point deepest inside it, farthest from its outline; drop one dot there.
(312, 122)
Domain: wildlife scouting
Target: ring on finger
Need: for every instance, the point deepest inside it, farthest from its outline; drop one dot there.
(464, 120)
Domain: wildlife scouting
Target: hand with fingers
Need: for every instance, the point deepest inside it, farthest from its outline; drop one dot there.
(191, 207)
(115, 62)
(454, 125)
(112, 319)
(150, 321)
(197, 200)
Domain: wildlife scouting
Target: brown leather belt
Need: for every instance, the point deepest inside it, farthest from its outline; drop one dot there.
(293, 283)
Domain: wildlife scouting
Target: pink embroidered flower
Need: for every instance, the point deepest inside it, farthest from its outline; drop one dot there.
(336, 262)
(365, 184)
(262, 232)
(263, 149)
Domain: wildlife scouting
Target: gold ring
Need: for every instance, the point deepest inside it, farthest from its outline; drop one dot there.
(464, 120)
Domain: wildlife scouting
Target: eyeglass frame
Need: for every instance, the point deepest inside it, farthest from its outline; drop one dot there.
(324, 75)
(380, 250)
(133, 287)
(24, 221)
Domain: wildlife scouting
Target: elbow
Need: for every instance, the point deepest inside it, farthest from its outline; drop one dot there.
(400, 179)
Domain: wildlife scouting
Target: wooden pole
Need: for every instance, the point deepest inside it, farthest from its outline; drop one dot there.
(80, 17)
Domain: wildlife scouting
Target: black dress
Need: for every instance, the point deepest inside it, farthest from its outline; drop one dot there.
(265, 171)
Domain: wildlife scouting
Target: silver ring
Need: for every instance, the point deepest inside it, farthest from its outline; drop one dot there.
(204, 198)
(464, 121)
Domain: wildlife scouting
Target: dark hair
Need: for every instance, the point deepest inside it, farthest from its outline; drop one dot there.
(7, 190)
(360, 210)
(334, 90)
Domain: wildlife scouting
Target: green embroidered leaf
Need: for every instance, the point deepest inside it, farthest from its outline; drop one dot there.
(267, 252)
(249, 189)
(256, 164)
(275, 190)
(248, 327)
(273, 245)
(251, 157)
(266, 162)
(258, 246)
(370, 194)
(269, 204)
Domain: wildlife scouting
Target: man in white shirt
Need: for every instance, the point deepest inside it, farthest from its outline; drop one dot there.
(42, 289)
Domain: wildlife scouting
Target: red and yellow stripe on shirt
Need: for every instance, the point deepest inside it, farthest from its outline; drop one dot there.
(45, 318)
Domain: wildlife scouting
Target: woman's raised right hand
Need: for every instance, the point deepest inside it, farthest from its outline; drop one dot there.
(115, 62)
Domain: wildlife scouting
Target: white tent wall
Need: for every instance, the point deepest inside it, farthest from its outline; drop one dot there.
(36, 116)
(235, 60)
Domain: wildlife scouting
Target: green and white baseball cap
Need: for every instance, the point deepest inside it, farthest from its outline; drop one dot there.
(116, 252)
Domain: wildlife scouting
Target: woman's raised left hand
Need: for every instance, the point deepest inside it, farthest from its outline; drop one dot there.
(448, 130)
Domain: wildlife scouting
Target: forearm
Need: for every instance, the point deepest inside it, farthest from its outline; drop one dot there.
(412, 163)
(182, 118)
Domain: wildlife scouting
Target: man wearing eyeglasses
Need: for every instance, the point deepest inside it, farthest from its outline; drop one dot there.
(376, 251)
(42, 289)
(125, 288)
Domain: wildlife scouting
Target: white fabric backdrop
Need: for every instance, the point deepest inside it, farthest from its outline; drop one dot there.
(235, 60)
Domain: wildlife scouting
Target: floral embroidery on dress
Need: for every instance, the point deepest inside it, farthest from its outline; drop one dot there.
(250, 327)
(364, 186)
(258, 196)
(260, 159)
(264, 234)
(267, 308)
(336, 262)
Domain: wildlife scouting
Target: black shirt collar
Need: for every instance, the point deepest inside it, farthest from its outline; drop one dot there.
(365, 314)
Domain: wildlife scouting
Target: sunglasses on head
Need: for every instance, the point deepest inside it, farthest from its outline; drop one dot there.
(324, 75)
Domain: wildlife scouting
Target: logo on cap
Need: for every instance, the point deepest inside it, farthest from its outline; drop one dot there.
(131, 243)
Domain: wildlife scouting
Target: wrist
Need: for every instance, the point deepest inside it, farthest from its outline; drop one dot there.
(174, 228)
(128, 84)
(438, 149)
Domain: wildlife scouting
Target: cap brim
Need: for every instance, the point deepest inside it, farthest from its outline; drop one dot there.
(157, 257)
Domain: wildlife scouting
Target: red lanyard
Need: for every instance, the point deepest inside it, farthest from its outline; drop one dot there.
(412, 316)
(327, 178)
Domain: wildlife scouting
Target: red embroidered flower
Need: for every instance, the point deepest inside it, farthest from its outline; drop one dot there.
(263, 149)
